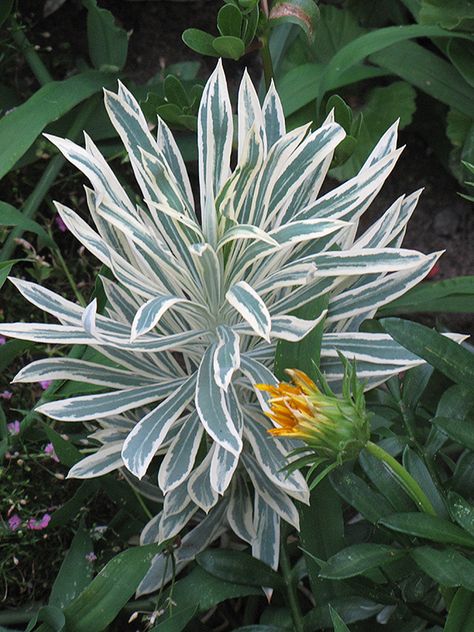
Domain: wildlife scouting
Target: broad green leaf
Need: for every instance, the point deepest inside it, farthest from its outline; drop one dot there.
(446, 566)
(382, 478)
(229, 20)
(73, 506)
(449, 295)
(359, 558)
(238, 567)
(369, 44)
(108, 43)
(75, 573)
(461, 612)
(350, 608)
(178, 621)
(10, 216)
(303, 13)
(52, 618)
(444, 354)
(417, 468)
(228, 46)
(199, 41)
(5, 10)
(462, 56)
(334, 29)
(422, 525)
(101, 601)
(20, 128)
(10, 350)
(428, 72)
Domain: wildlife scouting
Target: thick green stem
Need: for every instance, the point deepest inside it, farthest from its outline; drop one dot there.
(46, 181)
(405, 479)
(34, 60)
(291, 593)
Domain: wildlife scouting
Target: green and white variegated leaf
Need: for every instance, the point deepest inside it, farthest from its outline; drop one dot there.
(181, 455)
(161, 571)
(245, 231)
(89, 407)
(249, 111)
(150, 532)
(265, 546)
(105, 460)
(149, 314)
(224, 463)
(199, 484)
(84, 233)
(273, 117)
(272, 494)
(257, 373)
(213, 406)
(292, 328)
(251, 307)
(177, 510)
(142, 443)
(240, 512)
(226, 356)
(215, 132)
(80, 371)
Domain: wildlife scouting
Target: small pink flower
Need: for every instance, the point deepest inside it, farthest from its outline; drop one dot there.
(91, 557)
(49, 450)
(38, 525)
(14, 427)
(6, 395)
(14, 522)
(45, 384)
(2, 340)
(60, 223)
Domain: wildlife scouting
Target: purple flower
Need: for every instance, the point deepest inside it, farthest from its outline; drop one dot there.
(60, 223)
(91, 557)
(14, 427)
(14, 522)
(6, 395)
(2, 340)
(49, 450)
(45, 384)
(38, 525)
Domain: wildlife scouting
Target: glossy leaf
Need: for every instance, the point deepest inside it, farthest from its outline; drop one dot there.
(446, 566)
(429, 527)
(238, 567)
(359, 558)
(461, 612)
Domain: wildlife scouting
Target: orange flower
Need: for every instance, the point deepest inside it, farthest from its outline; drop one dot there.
(336, 428)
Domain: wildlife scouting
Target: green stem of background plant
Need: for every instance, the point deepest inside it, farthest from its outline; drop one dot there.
(267, 61)
(26, 47)
(405, 479)
(291, 593)
(47, 180)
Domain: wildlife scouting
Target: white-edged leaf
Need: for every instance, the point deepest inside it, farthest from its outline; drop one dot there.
(251, 307)
(199, 484)
(105, 460)
(149, 314)
(226, 356)
(142, 443)
(240, 512)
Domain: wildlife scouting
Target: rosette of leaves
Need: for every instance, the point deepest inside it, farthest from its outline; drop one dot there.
(200, 293)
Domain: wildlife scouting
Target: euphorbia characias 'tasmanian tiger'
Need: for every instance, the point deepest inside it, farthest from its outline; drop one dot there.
(200, 293)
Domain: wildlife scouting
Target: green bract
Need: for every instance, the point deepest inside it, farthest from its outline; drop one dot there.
(200, 299)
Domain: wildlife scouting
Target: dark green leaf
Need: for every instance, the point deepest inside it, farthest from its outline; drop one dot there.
(462, 512)
(334, 29)
(5, 10)
(229, 47)
(238, 567)
(372, 505)
(178, 621)
(249, 28)
(446, 566)
(462, 56)
(199, 41)
(459, 430)
(381, 478)
(463, 477)
(351, 609)
(12, 349)
(261, 628)
(175, 92)
(461, 612)
(73, 506)
(450, 295)
(359, 558)
(52, 619)
(75, 572)
(98, 604)
(444, 354)
(450, 14)
(414, 383)
(10, 216)
(422, 525)
(108, 43)
(417, 468)
(229, 20)
(20, 128)
(303, 13)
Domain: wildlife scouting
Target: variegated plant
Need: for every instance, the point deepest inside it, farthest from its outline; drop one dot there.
(200, 297)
